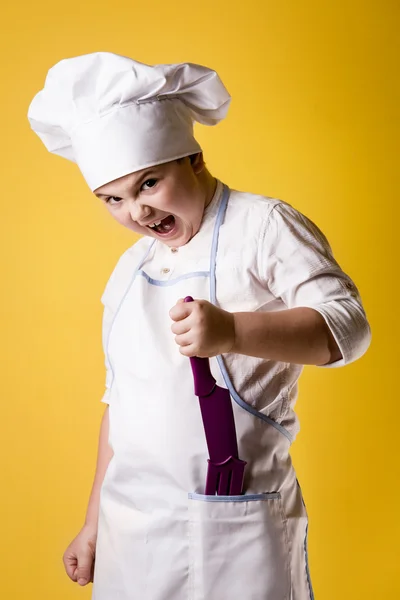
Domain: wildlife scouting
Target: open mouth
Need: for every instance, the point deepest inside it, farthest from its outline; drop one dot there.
(165, 226)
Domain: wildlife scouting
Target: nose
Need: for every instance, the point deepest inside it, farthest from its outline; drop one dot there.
(139, 212)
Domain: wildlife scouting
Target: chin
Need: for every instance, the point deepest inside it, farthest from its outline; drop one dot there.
(178, 243)
(181, 240)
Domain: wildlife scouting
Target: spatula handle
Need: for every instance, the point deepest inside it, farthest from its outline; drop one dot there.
(204, 382)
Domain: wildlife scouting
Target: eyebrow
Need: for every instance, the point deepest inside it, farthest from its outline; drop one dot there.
(139, 182)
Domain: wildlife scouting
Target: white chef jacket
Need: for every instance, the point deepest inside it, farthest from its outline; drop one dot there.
(270, 257)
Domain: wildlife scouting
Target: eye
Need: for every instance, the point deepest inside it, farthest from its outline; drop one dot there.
(150, 183)
(112, 200)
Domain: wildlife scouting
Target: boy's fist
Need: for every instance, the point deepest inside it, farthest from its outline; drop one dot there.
(79, 557)
(202, 329)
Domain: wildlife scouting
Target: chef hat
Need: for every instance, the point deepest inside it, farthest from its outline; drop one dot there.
(113, 115)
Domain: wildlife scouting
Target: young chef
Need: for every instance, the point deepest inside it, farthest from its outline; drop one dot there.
(269, 298)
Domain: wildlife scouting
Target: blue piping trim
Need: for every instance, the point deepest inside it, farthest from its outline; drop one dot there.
(243, 498)
(214, 244)
(246, 406)
(306, 544)
(170, 282)
(213, 297)
(120, 304)
(307, 566)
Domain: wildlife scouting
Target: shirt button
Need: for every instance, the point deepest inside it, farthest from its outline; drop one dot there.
(174, 250)
(165, 270)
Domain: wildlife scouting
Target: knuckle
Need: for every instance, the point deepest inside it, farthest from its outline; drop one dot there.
(68, 557)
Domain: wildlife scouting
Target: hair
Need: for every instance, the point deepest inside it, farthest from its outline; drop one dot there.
(191, 156)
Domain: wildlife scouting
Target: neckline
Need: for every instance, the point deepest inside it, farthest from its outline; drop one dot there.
(210, 209)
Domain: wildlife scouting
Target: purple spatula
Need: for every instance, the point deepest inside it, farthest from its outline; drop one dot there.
(225, 469)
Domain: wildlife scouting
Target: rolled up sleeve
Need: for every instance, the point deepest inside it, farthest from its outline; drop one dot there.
(301, 270)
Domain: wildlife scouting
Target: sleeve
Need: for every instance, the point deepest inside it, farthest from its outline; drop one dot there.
(297, 261)
(108, 316)
(110, 302)
(113, 295)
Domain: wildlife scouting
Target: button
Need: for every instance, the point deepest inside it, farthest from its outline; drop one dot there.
(165, 270)
(174, 250)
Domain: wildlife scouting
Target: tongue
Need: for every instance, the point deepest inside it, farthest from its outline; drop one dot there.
(166, 224)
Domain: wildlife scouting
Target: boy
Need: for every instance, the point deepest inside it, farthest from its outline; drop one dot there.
(269, 298)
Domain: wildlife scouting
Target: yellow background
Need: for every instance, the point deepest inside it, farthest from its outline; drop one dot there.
(313, 121)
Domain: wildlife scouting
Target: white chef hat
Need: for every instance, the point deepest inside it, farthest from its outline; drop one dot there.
(113, 115)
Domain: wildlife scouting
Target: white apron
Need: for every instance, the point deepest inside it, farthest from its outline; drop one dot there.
(159, 537)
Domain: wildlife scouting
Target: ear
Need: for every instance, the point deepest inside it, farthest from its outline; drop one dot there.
(198, 163)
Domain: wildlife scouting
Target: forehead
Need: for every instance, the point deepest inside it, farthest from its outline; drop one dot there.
(132, 180)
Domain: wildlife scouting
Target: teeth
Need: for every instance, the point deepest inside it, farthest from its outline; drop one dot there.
(155, 224)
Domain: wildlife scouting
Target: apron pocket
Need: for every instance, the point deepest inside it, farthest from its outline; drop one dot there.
(238, 548)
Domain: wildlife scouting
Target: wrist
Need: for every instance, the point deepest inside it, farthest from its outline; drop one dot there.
(91, 526)
(247, 332)
(235, 346)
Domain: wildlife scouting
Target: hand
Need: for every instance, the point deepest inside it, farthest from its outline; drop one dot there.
(202, 329)
(79, 557)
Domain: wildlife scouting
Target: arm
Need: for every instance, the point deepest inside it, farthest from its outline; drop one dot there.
(297, 336)
(323, 324)
(104, 456)
(80, 555)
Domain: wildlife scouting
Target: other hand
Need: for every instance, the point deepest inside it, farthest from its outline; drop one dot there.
(79, 557)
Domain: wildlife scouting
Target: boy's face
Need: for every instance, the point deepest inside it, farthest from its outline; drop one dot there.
(173, 193)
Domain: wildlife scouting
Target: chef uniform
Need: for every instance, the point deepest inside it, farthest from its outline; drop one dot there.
(159, 536)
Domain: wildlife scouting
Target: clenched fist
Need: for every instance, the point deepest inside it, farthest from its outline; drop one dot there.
(202, 329)
(80, 555)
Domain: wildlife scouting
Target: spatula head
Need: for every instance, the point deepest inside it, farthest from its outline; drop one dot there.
(226, 478)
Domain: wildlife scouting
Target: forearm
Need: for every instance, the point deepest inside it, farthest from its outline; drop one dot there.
(297, 335)
(104, 456)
